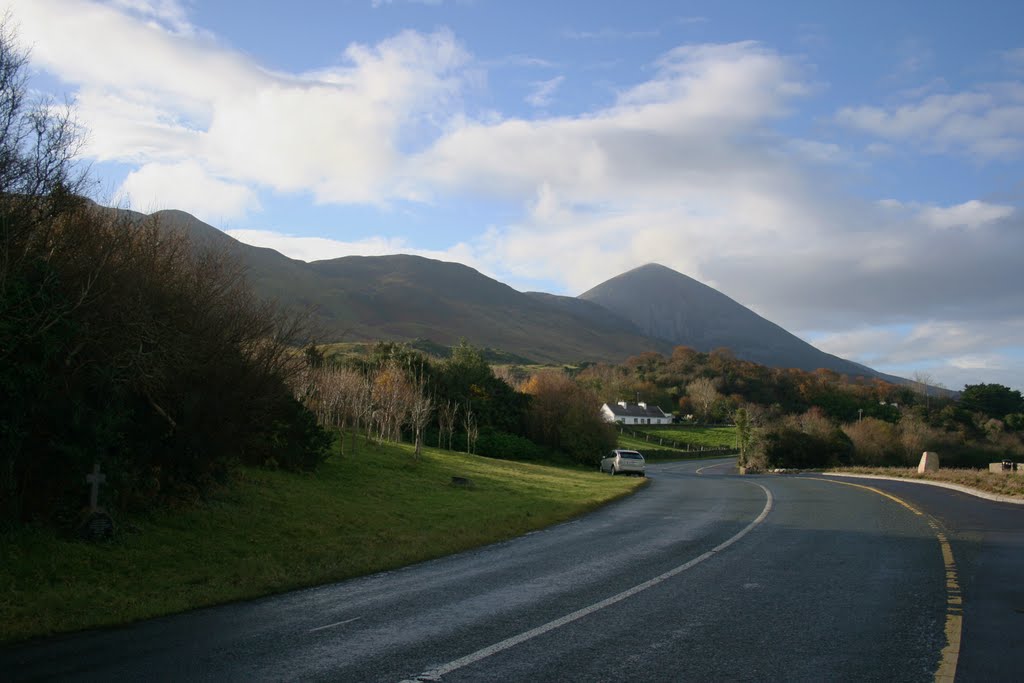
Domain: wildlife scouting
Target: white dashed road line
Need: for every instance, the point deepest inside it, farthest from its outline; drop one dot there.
(436, 673)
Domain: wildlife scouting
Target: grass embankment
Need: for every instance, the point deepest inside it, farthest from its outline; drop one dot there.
(275, 531)
(983, 480)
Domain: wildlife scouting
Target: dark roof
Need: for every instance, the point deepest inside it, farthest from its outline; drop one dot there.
(634, 410)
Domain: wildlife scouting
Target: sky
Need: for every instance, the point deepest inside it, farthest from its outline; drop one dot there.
(850, 171)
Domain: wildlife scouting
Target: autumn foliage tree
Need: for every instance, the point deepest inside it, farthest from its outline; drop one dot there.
(566, 416)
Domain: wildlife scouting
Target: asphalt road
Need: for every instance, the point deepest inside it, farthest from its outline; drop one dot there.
(696, 577)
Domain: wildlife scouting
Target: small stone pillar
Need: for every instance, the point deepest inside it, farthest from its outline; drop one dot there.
(929, 462)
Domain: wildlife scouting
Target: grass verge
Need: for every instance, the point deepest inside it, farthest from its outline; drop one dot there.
(983, 480)
(275, 531)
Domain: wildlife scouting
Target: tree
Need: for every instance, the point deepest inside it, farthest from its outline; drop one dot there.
(447, 416)
(744, 433)
(123, 344)
(471, 426)
(703, 394)
(421, 409)
(567, 417)
(392, 396)
(992, 400)
(923, 383)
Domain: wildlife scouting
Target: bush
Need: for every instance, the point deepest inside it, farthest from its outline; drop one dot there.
(495, 444)
(875, 442)
(789, 448)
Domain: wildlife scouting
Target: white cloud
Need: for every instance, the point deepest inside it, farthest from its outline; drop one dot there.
(685, 168)
(168, 14)
(544, 91)
(305, 248)
(972, 215)
(953, 352)
(152, 94)
(189, 187)
(986, 122)
(817, 151)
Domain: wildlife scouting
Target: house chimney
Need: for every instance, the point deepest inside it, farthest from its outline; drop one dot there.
(622, 403)
(642, 405)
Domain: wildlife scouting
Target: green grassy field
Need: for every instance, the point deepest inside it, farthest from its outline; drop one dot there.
(275, 531)
(652, 452)
(712, 437)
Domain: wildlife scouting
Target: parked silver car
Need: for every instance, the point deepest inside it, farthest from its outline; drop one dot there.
(624, 462)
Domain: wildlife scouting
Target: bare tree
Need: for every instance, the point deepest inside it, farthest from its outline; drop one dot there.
(472, 429)
(922, 384)
(447, 414)
(703, 394)
(420, 411)
(393, 394)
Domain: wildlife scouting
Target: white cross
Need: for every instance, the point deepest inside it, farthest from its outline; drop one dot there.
(96, 478)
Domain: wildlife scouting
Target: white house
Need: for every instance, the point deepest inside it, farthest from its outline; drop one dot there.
(634, 414)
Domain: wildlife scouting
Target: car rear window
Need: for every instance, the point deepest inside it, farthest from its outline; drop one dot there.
(632, 455)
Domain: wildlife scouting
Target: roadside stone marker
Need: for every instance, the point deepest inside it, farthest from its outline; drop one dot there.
(929, 462)
(95, 479)
(96, 523)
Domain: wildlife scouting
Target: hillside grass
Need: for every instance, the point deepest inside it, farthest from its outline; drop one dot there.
(983, 480)
(274, 531)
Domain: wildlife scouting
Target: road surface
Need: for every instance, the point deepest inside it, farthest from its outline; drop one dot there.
(699, 576)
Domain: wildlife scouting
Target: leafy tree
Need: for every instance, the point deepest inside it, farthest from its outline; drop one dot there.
(993, 400)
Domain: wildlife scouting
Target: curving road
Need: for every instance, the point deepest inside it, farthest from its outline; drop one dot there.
(703, 576)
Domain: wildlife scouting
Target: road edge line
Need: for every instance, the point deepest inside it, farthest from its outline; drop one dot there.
(950, 655)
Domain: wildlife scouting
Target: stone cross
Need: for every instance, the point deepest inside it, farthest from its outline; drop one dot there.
(96, 478)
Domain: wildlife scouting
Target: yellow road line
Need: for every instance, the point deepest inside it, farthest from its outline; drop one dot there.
(946, 672)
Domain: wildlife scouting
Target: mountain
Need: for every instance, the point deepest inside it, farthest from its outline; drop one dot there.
(665, 304)
(403, 298)
(406, 298)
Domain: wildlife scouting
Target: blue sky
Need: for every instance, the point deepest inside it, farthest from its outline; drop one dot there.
(851, 171)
